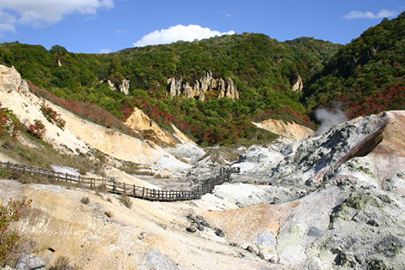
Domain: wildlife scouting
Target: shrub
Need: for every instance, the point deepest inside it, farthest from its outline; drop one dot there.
(108, 214)
(9, 123)
(62, 263)
(126, 200)
(8, 214)
(100, 189)
(85, 200)
(37, 129)
(52, 116)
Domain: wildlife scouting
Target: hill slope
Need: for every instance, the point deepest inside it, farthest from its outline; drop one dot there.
(367, 75)
(262, 69)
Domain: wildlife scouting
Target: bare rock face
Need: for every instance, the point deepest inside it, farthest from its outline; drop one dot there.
(198, 90)
(139, 121)
(10, 80)
(296, 82)
(231, 90)
(124, 87)
(291, 131)
(28, 262)
(111, 85)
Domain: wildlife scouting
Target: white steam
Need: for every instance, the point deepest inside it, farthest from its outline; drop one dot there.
(329, 119)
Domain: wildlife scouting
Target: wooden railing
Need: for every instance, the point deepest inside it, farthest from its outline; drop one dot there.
(122, 188)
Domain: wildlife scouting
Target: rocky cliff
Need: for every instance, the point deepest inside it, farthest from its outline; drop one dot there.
(79, 135)
(198, 90)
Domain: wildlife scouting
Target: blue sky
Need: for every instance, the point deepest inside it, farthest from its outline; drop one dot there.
(94, 26)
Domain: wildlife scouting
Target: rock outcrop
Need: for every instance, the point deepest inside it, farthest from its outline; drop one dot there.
(139, 121)
(198, 90)
(10, 80)
(296, 82)
(111, 85)
(123, 88)
(290, 131)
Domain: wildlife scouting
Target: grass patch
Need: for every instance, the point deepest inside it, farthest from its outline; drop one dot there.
(63, 263)
(85, 200)
(44, 155)
(126, 201)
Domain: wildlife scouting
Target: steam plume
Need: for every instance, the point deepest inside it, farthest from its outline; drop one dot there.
(329, 119)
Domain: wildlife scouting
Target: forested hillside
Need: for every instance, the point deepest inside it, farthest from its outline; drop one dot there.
(364, 76)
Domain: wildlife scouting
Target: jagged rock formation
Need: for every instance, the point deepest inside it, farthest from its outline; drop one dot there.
(198, 90)
(124, 87)
(296, 82)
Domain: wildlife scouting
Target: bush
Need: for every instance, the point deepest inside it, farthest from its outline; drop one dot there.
(9, 123)
(37, 129)
(85, 200)
(8, 214)
(62, 263)
(52, 116)
(126, 200)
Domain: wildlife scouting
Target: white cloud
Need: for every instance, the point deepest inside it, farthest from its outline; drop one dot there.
(45, 12)
(103, 51)
(384, 13)
(178, 32)
(7, 22)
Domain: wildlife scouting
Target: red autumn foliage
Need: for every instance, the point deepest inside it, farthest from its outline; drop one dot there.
(386, 99)
(37, 129)
(91, 111)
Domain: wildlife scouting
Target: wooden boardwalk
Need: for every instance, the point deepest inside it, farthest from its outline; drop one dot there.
(121, 188)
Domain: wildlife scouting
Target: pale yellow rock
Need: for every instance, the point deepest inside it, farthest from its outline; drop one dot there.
(139, 121)
(78, 133)
(291, 131)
